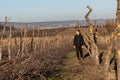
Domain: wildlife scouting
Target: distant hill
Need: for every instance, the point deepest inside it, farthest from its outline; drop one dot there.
(53, 23)
(69, 23)
(7, 27)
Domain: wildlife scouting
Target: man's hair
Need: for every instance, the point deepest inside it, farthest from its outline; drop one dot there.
(78, 30)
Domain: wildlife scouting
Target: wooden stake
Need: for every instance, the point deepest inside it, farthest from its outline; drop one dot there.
(1, 41)
(9, 45)
(20, 44)
(0, 49)
(38, 33)
(32, 40)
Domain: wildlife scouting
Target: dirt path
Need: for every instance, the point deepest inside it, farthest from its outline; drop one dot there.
(76, 70)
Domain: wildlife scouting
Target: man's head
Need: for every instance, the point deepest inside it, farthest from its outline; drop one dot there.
(77, 32)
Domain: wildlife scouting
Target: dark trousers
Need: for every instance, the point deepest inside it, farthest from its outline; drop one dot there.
(79, 52)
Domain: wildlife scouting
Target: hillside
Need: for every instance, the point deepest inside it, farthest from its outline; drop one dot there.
(50, 57)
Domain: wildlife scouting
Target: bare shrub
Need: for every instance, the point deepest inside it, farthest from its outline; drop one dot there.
(110, 25)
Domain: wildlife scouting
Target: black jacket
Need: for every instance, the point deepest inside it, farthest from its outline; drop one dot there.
(78, 40)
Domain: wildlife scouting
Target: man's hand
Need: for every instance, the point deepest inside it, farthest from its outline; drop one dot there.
(74, 47)
(83, 46)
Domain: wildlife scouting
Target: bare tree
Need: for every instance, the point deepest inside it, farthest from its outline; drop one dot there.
(87, 15)
(92, 47)
(1, 41)
(118, 39)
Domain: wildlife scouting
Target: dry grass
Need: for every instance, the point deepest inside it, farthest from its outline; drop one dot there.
(45, 57)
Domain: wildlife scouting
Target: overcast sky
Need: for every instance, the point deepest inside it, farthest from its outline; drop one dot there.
(55, 10)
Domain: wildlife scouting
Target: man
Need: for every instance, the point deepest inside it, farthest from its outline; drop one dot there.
(79, 44)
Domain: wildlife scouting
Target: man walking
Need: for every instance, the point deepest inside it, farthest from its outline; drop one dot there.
(79, 44)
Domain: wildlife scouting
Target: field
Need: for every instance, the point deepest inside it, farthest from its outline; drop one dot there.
(48, 54)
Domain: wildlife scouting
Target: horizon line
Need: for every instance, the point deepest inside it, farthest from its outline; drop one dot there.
(51, 21)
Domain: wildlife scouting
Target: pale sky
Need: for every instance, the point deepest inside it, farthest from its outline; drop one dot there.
(55, 10)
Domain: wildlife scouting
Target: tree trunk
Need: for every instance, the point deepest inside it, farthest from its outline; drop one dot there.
(118, 65)
(107, 64)
(94, 51)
